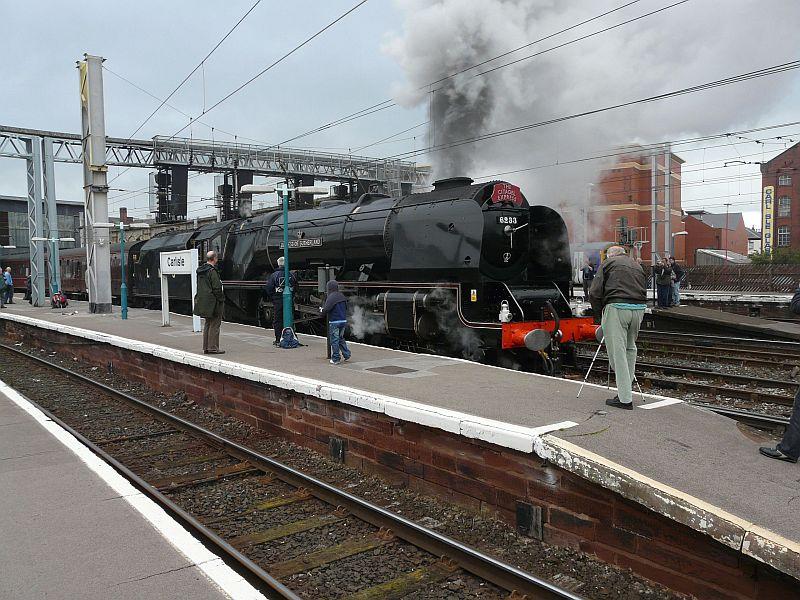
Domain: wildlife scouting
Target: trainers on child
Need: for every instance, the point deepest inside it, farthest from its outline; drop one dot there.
(335, 362)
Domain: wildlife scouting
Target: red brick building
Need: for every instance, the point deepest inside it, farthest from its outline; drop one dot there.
(715, 231)
(620, 205)
(780, 185)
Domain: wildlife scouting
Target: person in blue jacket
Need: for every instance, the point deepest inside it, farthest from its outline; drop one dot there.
(336, 308)
(789, 447)
(9, 286)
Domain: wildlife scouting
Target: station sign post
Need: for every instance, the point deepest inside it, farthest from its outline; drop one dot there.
(181, 262)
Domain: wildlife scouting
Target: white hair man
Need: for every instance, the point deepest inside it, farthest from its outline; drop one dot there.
(619, 293)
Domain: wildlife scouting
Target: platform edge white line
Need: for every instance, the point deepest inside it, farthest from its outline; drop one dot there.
(219, 574)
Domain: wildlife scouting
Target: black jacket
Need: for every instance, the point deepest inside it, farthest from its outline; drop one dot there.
(273, 290)
(795, 305)
(619, 279)
(680, 273)
(335, 303)
(663, 275)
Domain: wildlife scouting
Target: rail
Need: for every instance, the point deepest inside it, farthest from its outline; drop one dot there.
(481, 565)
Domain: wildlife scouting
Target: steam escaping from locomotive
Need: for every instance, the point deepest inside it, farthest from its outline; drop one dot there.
(667, 51)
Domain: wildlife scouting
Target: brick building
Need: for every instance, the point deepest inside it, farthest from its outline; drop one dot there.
(715, 231)
(619, 207)
(780, 185)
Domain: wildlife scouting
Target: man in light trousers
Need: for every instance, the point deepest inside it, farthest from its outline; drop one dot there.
(618, 292)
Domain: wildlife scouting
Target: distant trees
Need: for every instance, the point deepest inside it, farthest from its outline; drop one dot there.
(780, 256)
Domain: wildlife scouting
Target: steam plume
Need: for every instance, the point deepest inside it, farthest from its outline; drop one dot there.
(692, 43)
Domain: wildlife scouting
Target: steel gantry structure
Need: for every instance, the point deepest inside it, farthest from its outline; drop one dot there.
(208, 156)
(41, 149)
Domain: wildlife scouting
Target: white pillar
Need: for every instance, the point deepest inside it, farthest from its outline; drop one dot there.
(51, 213)
(93, 136)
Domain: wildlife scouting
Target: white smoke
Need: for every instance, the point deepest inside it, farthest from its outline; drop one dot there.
(693, 43)
(364, 323)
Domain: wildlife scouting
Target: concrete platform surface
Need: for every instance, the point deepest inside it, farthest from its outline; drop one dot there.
(67, 533)
(695, 467)
(698, 316)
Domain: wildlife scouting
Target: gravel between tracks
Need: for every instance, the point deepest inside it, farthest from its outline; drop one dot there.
(594, 579)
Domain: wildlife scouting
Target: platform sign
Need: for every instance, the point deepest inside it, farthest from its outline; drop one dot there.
(181, 262)
(767, 216)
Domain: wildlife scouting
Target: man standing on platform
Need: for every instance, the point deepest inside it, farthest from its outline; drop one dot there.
(588, 271)
(619, 293)
(678, 276)
(789, 447)
(10, 286)
(273, 290)
(209, 303)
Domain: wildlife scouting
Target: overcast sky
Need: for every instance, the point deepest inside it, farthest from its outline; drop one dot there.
(155, 44)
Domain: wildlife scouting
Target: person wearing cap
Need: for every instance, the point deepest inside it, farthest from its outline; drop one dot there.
(273, 290)
(788, 448)
(336, 308)
(619, 293)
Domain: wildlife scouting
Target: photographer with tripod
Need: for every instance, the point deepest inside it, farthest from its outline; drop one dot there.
(619, 293)
(789, 447)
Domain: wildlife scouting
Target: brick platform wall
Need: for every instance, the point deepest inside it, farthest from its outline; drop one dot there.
(470, 473)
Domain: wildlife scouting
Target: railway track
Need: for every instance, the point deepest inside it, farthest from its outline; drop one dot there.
(707, 382)
(291, 535)
(737, 351)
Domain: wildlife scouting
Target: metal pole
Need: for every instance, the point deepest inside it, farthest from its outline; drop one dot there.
(33, 147)
(727, 207)
(51, 212)
(95, 185)
(123, 287)
(288, 318)
(667, 198)
(653, 221)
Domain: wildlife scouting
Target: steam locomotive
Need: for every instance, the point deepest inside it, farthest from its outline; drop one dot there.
(468, 269)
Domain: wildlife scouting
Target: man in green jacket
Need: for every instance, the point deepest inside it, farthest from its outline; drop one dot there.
(208, 303)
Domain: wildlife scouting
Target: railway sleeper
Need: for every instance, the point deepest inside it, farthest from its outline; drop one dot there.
(325, 556)
(409, 582)
(282, 531)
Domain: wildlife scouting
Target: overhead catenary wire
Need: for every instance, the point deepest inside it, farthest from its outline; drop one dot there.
(750, 75)
(275, 63)
(163, 102)
(390, 103)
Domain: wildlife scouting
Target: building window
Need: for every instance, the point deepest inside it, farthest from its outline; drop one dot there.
(783, 236)
(784, 180)
(784, 206)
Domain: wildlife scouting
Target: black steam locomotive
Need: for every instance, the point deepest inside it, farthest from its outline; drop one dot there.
(466, 269)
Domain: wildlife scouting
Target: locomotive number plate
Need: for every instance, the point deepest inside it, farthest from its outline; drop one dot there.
(506, 220)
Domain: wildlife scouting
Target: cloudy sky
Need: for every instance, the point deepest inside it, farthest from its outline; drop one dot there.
(386, 49)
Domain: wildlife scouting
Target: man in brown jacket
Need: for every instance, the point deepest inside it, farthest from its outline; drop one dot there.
(618, 292)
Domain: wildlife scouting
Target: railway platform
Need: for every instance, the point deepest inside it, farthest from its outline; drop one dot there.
(677, 494)
(710, 321)
(73, 528)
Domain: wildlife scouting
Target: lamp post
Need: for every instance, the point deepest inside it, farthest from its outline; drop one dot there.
(123, 286)
(727, 206)
(288, 317)
(55, 284)
(672, 242)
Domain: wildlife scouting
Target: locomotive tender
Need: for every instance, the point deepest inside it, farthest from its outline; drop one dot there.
(470, 269)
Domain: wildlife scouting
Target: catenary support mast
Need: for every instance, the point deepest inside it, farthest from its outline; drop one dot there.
(93, 138)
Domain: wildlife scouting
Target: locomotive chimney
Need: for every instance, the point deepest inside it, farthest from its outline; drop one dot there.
(451, 182)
